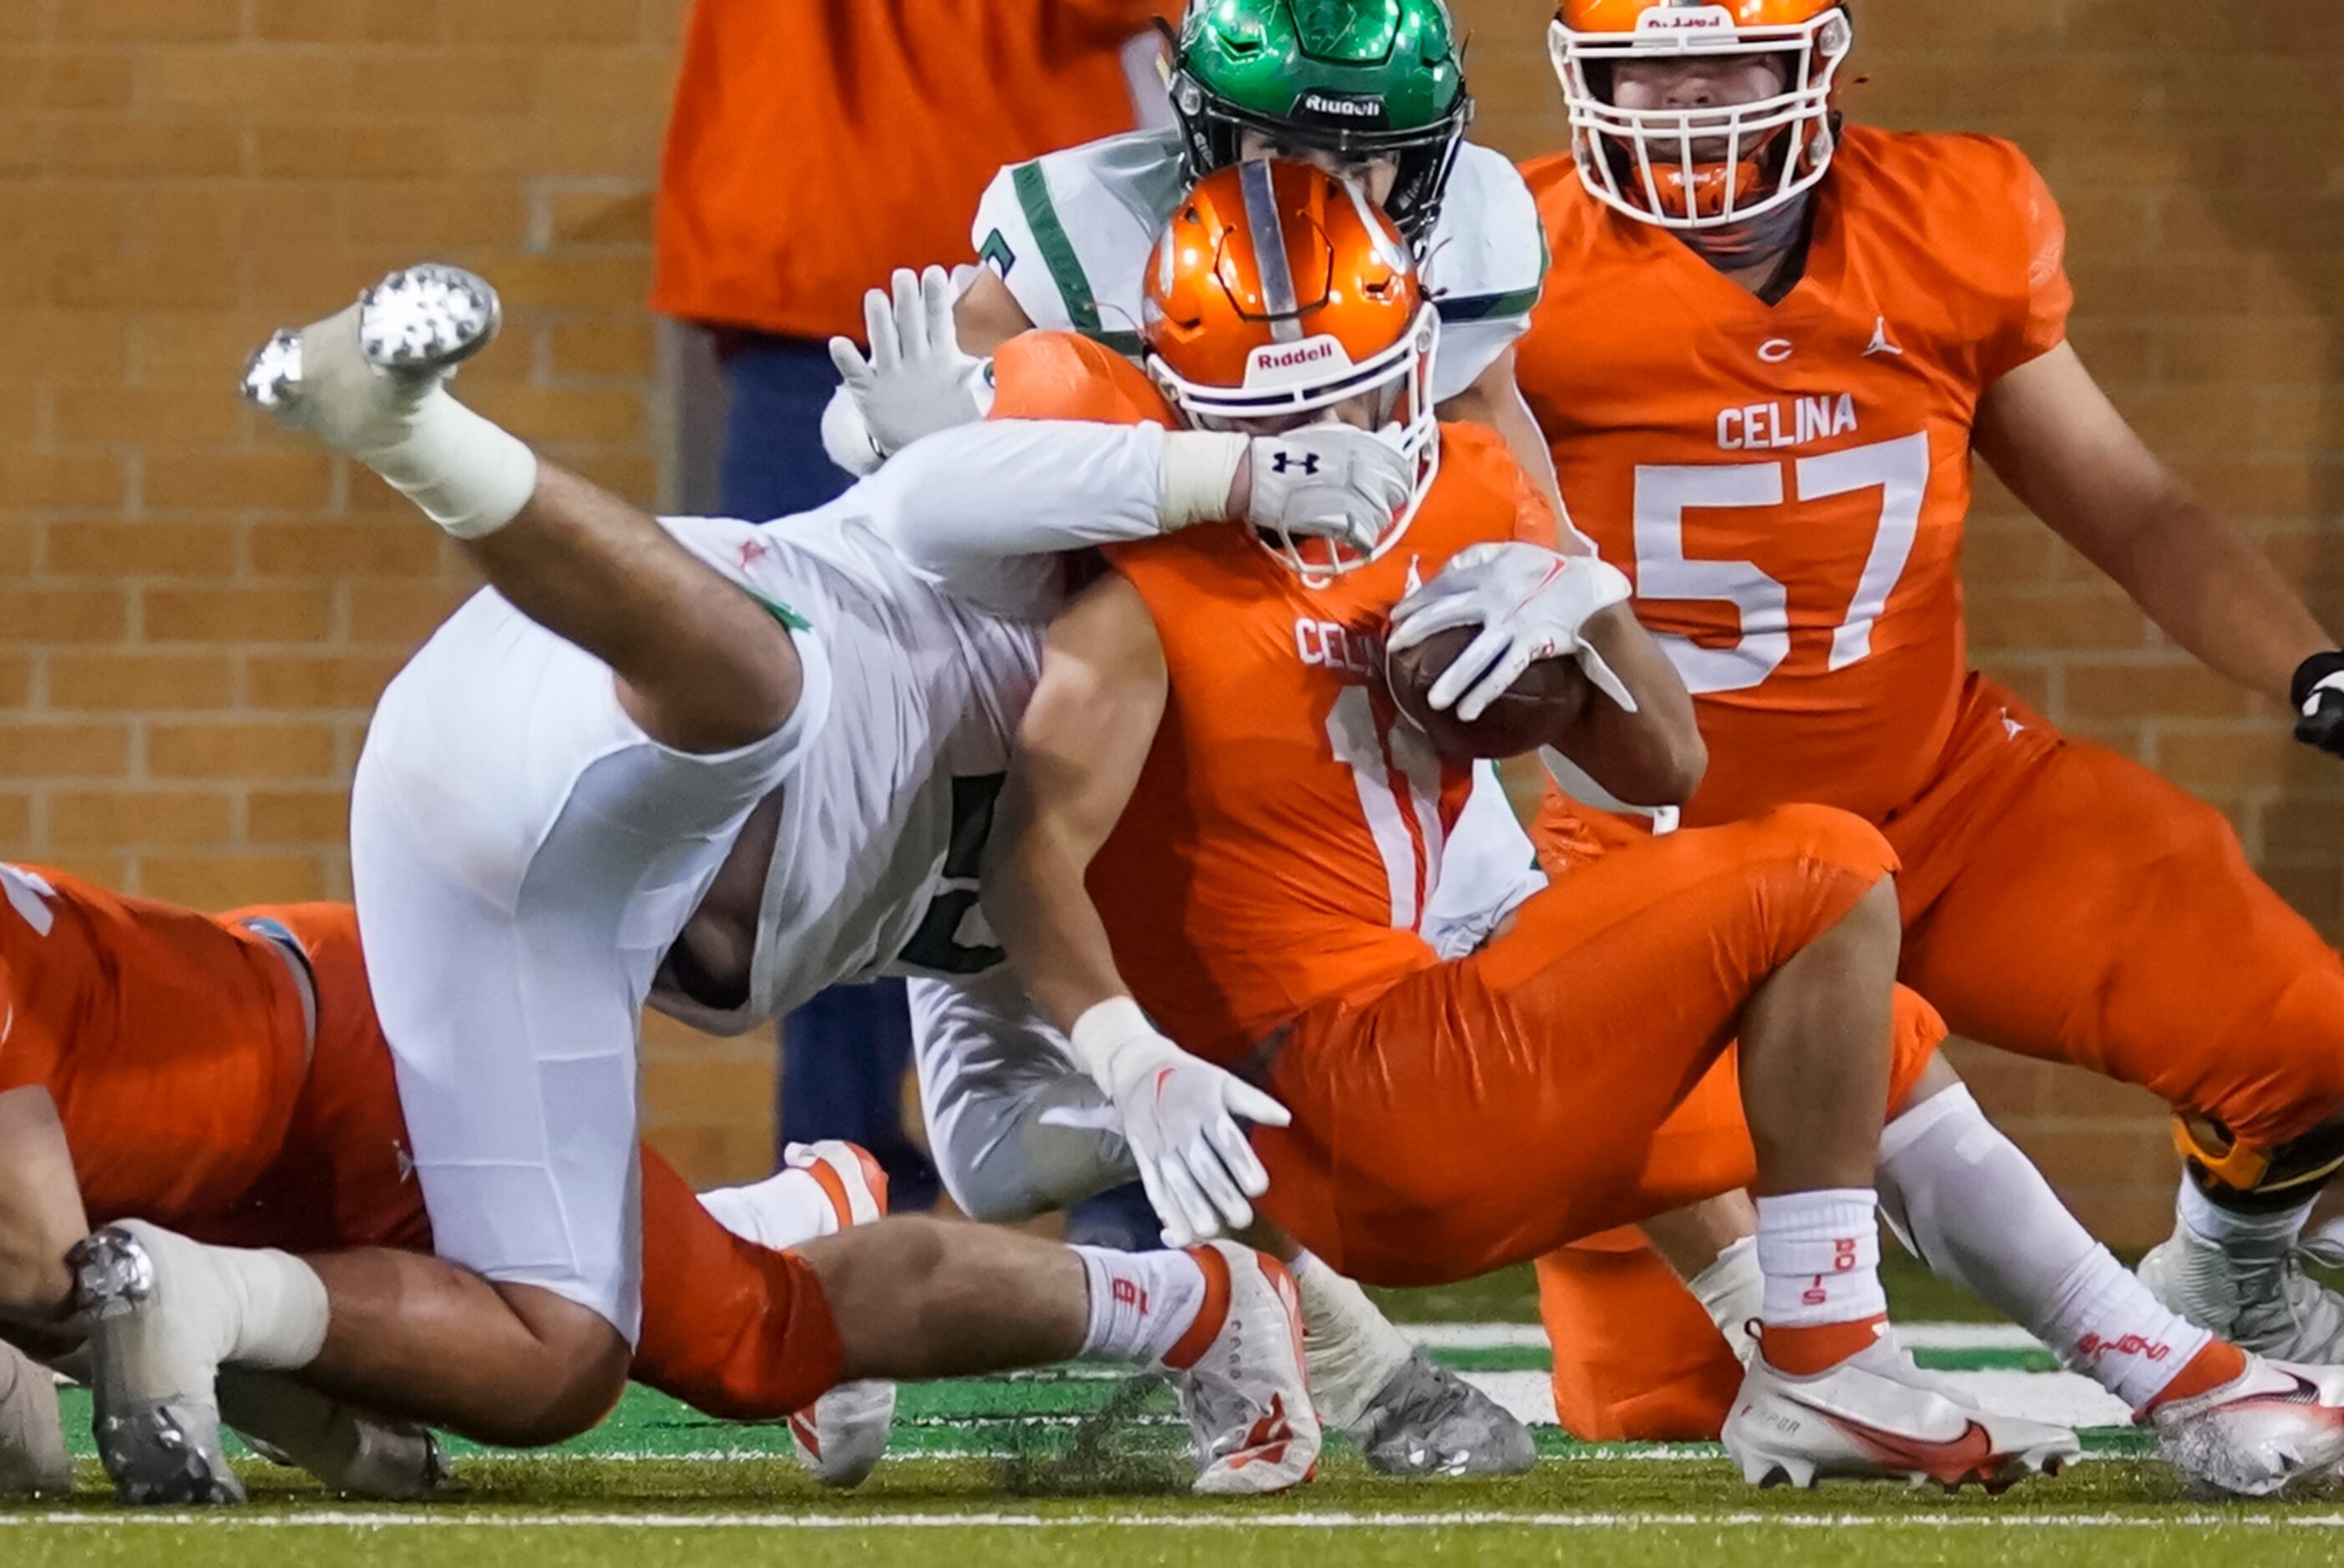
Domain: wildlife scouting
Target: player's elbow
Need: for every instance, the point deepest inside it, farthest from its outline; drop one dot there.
(1682, 764)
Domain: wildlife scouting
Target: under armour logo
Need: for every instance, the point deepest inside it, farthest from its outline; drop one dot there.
(1286, 462)
(1881, 342)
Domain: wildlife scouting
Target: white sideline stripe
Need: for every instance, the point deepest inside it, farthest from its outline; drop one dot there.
(1532, 1337)
(353, 1519)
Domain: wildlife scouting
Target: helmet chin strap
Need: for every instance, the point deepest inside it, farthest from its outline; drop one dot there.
(1769, 237)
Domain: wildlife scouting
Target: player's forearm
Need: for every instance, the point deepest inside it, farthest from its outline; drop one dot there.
(2217, 595)
(1653, 756)
(1018, 487)
(965, 498)
(1038, 904)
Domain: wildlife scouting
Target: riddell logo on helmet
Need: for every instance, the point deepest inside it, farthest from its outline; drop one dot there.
(1349, 109)
(1686, 19)
(1319, 351)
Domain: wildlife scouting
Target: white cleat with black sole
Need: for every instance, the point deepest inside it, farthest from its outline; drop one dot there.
(34, 1459)
(156, 1408)
(1877, 1417)
(2274, 1428)
(1249, 1406)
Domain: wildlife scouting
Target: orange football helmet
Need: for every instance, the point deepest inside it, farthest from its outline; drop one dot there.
(1653, 164)
(1278, 295)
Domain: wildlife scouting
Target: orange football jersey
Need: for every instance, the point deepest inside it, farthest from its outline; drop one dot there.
(1286, 830)
(1786, 484)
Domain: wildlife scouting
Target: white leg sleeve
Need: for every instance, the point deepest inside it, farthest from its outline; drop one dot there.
(1015, 1126)
(524, 856)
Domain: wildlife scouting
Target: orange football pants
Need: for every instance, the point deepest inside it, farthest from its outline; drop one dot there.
(1486, 1110)
(176, 1048)
(2060, 902)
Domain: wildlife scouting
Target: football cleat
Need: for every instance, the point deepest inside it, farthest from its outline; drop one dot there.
(356, 373)
(349, 1451)
(1428, 1420)
(1255, 1431)
(840, 1438)
(1877, 1417)
(156, 1412)
(34, 1460)
(2257, 1296)
(2274, 1428)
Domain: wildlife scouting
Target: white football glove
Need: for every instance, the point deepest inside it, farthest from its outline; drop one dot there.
(1322, 481)
(916, 381)
(1179, 1114)
(1532, 604)
(1328, 482)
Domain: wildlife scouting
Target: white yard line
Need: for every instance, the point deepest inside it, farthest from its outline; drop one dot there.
(1532, 1337)
(428, 1519)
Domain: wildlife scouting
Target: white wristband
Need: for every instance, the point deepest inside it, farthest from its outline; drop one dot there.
(1102, 1030)
(1193, 477)
(846, 436)
(466, 474)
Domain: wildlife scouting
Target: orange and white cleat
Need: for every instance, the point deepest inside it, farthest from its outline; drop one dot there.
(2276, 1427)
(1877, 1417)
(840, 1438)
(1238, 1372)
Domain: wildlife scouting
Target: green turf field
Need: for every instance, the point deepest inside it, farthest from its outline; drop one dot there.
(1079, 1467)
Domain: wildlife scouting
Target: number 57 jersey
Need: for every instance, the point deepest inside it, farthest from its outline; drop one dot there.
(1787, 484)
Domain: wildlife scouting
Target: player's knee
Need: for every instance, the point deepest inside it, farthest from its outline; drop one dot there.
(883, 1267)
(1835, 837)
(576, 1374)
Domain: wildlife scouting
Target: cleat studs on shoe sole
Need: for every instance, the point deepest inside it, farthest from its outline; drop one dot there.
(427, 318)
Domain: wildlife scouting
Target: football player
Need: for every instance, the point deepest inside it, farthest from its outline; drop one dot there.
(226, 1076)
(1373, 89)
(1771, 344)
(1218, 830)
(540, 822)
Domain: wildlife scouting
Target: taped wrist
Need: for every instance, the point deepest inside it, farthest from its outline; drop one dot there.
(1195, 475)
(466, 474)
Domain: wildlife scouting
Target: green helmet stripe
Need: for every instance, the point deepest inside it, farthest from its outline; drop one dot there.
(1032, 189)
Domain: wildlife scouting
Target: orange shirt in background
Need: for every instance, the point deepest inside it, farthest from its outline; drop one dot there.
(816, 145)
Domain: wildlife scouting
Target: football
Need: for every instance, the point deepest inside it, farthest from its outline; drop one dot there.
(1542, 702)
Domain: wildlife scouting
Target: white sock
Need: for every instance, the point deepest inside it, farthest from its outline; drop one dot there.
(787, 1209)
(1820, 1254)
(1140, 1302)
(1349, 1350)
(1733, 1291)
(2235, 1232)
(1977, 1212)
(271, 1308)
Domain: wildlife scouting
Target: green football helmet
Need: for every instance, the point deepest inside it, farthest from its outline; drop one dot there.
(1362, 79)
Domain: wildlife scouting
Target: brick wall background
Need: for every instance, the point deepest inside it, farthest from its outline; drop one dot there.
(195, 613)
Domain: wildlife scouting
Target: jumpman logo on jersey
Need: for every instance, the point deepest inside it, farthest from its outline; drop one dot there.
(1415, 576)
(1881, 342)
(753, 550)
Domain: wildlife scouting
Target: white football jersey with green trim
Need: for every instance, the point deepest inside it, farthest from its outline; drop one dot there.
(1070, 234)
